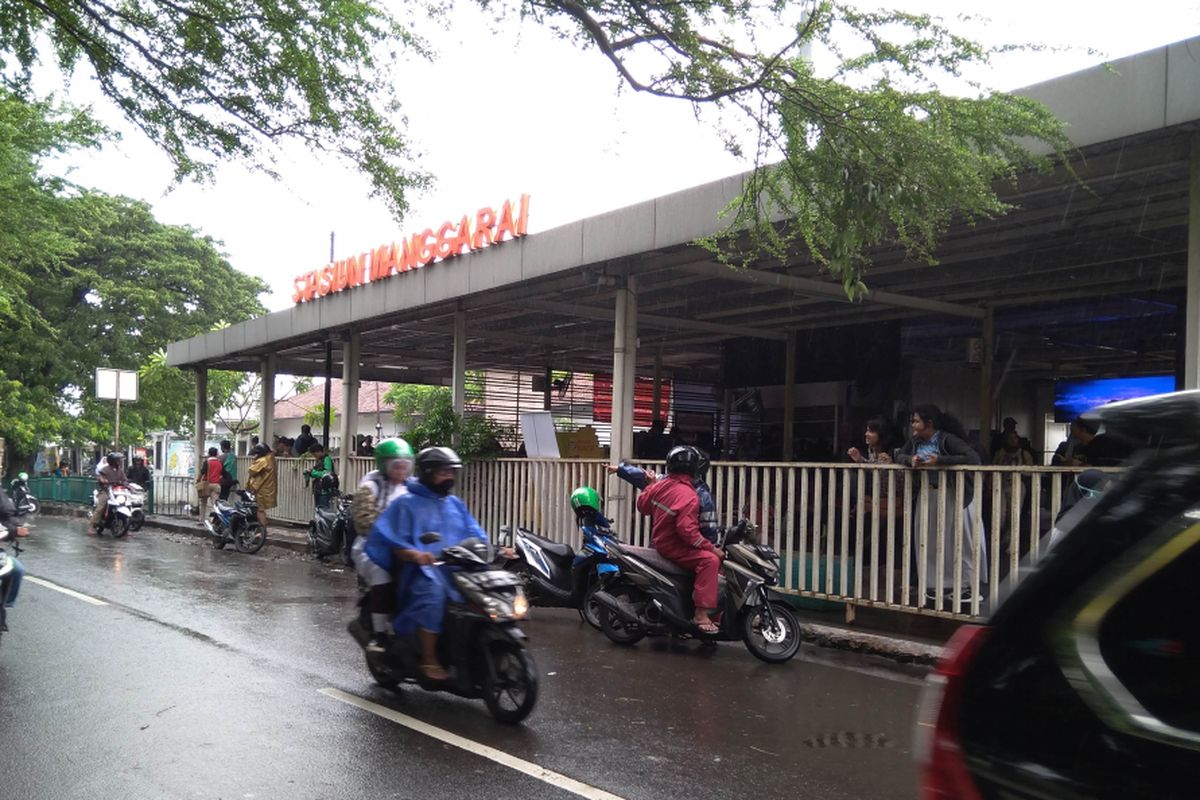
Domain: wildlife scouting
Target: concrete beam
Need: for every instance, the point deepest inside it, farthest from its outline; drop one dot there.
(815, 288)
(659, 322)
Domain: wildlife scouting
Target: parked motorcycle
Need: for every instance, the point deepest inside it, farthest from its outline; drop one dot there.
(652, 594)
(7, 566)
(137, 501)
(328, 528)
(554, 575)
(481, 645)
(27, 505)
(119, 512)
(237, 522)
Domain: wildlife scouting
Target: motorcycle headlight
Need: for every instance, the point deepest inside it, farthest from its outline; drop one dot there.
(520, 605)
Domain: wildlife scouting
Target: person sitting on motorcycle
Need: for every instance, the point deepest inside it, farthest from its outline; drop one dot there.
(641, 478)
(394, 543)
(109, 475)
(139, 473)
(323, 490)
(10, 584)
(393, 462)
(674, 508)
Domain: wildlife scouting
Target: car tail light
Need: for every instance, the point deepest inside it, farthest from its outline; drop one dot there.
(944, 773)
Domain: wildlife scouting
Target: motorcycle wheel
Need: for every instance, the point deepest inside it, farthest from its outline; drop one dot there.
(218, 537)
(382, 680)
(120, 526)
(510, 687)
(30, 507)
(250, 538)
(589, 610)
(136, 521)
(616, 629)
(776, 644)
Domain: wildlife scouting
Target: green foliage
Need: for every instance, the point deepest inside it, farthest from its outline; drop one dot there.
(872, 155)
(88, 280)
(315, 418)
(427, 412)
(225, 80)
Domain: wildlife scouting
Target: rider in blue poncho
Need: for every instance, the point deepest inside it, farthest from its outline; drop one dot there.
(394, 543)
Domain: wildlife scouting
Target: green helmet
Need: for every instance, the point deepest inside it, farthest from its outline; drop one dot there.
(584, 500)
(388, 449)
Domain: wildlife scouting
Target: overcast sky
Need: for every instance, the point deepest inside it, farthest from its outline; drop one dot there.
(546, 119)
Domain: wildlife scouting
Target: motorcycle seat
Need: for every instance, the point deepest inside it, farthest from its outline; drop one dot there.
(554, 548)
(652, 557)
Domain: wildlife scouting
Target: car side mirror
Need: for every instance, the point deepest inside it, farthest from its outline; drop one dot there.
(429, 537)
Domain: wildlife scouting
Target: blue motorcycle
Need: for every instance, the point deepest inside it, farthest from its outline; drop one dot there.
(238, 523)
(554, 575)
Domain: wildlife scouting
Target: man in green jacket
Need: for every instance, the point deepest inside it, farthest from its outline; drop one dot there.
(323, 476)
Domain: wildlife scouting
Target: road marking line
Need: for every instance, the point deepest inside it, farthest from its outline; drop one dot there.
(65, 590)
(499, 756)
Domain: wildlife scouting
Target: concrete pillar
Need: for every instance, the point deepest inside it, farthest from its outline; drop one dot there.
(328, 394)
(348, 429)
(988, 326)
(624, 359)
(201, 412)
(789, 396)
(266, 411)
(631, 337)
(458, 367)
(1191, 357)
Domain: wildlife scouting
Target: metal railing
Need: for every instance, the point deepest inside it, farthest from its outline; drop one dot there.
(930, 541)
(169, 495)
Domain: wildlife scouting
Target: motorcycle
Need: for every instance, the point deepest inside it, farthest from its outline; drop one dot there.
(554, 575)
(137, 501)
(652, 594)
(237, 522)
(329, 526)
(27, 505)
(481, 645)
(119, 512)
(7, 566)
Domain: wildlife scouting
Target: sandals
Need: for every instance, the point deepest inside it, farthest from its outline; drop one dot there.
(434, 672)
(708, 627)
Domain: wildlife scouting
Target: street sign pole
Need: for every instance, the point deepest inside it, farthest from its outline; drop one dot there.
(117, 426)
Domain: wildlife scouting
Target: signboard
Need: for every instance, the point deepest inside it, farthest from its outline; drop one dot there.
(538, 429)
(108, 381)
(485, 228)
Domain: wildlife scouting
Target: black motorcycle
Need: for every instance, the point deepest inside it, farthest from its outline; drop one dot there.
(654, 595)
(237, 522)
(330, 526)
(27, 505)
(481, 646)
(556, 576)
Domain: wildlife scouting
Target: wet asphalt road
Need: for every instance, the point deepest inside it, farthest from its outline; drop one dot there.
(200, 678)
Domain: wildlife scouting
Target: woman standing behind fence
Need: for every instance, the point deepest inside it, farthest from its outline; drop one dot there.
(931, 446)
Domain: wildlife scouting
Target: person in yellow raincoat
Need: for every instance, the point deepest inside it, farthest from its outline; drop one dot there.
(263, 481)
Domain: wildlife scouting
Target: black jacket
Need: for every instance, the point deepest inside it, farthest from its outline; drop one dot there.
(952, 452)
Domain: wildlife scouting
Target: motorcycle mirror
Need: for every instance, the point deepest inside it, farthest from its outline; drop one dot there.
(429, 537)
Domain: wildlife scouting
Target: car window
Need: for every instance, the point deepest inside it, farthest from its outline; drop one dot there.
(1150, 640)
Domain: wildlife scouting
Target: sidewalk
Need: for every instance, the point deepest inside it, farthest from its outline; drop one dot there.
(904, 638)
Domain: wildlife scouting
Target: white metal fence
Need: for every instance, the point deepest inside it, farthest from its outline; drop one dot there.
(931, 541)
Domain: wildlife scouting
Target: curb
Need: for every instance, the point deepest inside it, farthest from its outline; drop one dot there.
(169, 525)
(906, 651)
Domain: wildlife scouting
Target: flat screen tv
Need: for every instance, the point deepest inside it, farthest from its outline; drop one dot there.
(1075, 396)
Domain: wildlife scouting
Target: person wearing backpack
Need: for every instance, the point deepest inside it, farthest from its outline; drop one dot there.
(228, 469)
(393, 462)
(323, 476)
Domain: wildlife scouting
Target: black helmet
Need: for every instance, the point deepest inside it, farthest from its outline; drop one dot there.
(113, 459)
(683, 459)
(430, 460)
(702, 464)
